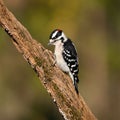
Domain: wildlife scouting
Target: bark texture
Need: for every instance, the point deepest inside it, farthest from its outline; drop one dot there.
(57, 84)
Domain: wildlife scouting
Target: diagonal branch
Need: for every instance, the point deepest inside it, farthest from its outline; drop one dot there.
(58, 84)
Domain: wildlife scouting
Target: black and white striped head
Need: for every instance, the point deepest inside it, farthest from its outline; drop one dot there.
(57, 35)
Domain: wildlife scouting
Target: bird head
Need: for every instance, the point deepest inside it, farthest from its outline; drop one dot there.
(57, 36)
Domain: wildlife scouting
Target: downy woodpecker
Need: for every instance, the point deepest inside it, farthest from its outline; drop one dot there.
(65, 55)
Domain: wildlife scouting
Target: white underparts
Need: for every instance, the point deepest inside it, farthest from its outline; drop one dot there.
(59, 58)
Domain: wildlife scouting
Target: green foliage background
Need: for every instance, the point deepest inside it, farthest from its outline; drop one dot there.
(94, 27)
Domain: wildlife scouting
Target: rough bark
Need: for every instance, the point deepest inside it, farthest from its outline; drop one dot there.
(57, 84)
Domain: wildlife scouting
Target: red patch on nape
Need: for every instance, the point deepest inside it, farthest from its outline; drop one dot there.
(58, 30)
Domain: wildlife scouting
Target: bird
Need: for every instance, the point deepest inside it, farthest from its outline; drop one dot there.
(65, 54)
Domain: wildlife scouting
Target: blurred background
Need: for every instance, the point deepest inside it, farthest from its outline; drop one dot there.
(94, 27)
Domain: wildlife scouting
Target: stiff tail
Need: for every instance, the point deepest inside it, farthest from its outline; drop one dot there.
(76, 80)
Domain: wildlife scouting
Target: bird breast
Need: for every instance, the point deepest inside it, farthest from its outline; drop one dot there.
(59, 58)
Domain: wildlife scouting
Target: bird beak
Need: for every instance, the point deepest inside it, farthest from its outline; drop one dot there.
(50, 42)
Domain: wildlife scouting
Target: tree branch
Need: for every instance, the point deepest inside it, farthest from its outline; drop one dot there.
(58, 84)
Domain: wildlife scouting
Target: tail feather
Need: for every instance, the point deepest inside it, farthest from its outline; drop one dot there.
(76, 87)
(76, 80)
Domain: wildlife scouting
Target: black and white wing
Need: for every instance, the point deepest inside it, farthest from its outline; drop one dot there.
(71, 58)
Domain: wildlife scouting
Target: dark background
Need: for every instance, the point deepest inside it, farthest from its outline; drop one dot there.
(94, 27)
